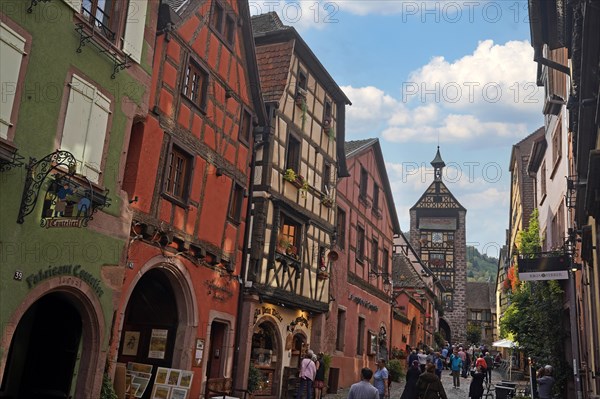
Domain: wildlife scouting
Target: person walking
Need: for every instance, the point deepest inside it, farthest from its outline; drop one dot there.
(476, 387)
(364, 389)
(412, 375)
(456, 367)
(308, 370)
(444, 357)
(422, 360)
(489, 362)
(319, 376)
(545, 382)
(380, 379)
(429, 385)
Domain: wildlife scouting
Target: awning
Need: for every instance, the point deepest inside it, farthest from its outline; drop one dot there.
(504, 343)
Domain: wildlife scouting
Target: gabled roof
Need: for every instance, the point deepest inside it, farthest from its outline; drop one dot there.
(268, 28)
(174, 13)
(274, 64)
(356, 145)
(404, 274)
(524, 146)
(354, 148)
(478, 295)
(431, 192)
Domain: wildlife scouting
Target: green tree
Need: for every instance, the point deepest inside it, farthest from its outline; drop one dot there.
(473, 334)
(533, 317)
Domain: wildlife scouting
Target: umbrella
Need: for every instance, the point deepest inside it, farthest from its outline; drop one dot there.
(504, 343)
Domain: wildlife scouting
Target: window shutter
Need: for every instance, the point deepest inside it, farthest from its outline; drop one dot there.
(133, 42)
(84, 132)
(74, 4)
(12, 47)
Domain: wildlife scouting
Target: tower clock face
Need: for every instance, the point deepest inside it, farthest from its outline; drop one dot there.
(437, 237)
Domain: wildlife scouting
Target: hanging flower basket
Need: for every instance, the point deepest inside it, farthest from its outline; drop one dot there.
(327, 201)
(300, 97)
(322, 275)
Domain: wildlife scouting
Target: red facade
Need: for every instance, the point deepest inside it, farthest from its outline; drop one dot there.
(187, 177)
(360, 319)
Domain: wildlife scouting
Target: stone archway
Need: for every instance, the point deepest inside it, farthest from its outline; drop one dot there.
(84, 309)
(444, 329)
(178, 277)
(266, 355)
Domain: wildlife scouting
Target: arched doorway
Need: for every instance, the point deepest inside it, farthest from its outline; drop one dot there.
(150, 323)
(299, 347)
(266, 357)
(413, 333)
(445, 330)
(43, 354)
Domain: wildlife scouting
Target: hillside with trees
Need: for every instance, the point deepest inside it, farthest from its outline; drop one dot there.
(480, 267)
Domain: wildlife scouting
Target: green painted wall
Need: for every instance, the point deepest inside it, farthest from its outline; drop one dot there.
(29, 247)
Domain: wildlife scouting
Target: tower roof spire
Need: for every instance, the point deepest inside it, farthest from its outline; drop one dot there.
(438, 164)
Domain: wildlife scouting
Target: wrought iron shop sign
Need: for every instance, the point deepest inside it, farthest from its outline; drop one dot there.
(68, 202)
(544, 268)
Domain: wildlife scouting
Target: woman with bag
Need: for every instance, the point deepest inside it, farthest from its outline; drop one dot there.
(476, 387)
(429, 385)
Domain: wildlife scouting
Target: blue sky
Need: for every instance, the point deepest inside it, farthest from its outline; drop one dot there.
(460, 72)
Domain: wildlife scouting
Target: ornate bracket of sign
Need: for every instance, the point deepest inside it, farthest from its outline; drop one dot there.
(67, 201)
(267, 310)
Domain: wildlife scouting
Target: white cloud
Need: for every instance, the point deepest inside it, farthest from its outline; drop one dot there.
(372, 109)
(493, 78)
(480, 100)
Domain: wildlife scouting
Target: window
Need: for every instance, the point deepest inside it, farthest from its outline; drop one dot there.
(557, 144)
(86, 123)
(385, 261)
(217, 17)
(341, 228)
(360, 342)
(341, 330)
(290, 231)
(195, 83)
(375, 256)
(326, 179)
(543, 180)
(360, 244)
(177, 175)
(12, 48)
(102, 14)
(328, 111)
(437, 260)
(375, 196)
(223, 23)
(302, 81)
(235, 203)
(293, 154)
(229, 29)
(364, 178)
(245, 126)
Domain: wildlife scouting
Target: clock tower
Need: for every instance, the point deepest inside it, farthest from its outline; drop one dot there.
(437, 232)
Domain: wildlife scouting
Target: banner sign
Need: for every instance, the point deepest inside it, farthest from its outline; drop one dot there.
(544, 268)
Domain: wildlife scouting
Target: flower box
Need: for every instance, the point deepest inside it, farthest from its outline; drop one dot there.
(327, 201)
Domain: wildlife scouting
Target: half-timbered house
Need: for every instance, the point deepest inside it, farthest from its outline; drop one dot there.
(298, 161)
(187, 175)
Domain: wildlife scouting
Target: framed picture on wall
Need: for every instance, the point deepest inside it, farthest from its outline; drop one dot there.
(372, 343)
(131, 340)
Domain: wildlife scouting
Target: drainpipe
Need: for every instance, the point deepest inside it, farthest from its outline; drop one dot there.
(246, 244)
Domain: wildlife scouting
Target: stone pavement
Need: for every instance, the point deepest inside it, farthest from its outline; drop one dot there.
(398, 387)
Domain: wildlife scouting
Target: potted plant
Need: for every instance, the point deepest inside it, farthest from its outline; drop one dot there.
(292, 251)
(300, 97)
(283, 244)
(254, 380)
(327, 200)
(321, 275)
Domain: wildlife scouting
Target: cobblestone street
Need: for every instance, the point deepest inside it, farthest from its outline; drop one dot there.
(398, 387)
